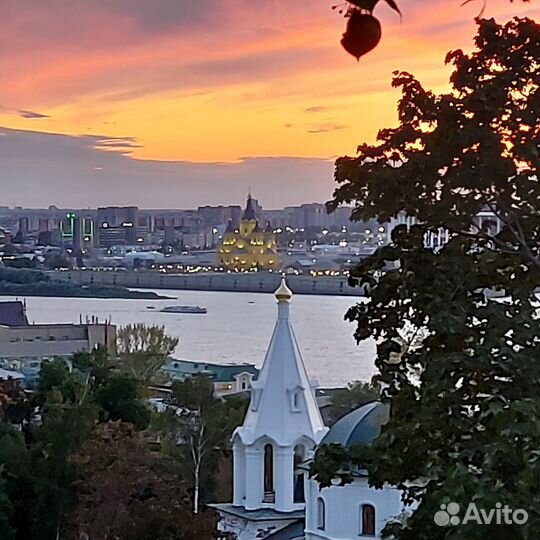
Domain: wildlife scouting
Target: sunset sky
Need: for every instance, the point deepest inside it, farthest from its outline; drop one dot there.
(175, 103)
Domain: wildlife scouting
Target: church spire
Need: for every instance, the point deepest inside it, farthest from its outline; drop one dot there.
(283, 419)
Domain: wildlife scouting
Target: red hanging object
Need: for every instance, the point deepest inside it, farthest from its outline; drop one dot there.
(362, 35)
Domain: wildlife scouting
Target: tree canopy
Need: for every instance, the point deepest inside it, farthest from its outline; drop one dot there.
(198, 430)
(464, 389)
(143, 350)
(127, 492)
(77, 461)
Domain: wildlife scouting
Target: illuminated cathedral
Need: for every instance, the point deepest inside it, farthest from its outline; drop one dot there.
(249, 247)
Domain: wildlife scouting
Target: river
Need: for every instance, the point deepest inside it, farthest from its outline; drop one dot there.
(237, 328)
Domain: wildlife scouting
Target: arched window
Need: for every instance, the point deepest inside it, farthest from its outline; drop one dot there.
(268, 473)
(321, 514)
(367, 520)
(299, 457)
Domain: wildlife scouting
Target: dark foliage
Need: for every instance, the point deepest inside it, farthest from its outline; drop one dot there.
(460, 368)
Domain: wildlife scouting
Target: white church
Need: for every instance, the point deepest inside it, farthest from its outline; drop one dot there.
(274, 498)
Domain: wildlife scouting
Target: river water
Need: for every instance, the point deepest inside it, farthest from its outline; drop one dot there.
(237, 328)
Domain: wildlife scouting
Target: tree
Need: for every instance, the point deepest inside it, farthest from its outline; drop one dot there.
(96, 364)
(143, 350)
(198, 427)
(6, 511)
(68, 416)
(35, 475)
(17, 482)
(120, 397)
(126, 492)
(57, 261)
(465, 399)
(38, 469)
(53, 375)
(118, 394)
(347, 399)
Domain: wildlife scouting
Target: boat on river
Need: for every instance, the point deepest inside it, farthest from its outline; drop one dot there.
(184, 309)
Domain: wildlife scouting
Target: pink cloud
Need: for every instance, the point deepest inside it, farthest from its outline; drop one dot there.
(59, 49)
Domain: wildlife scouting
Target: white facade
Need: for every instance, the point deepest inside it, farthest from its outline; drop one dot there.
(343, 512)
(241, 383)
(25, 348)
(435, 240)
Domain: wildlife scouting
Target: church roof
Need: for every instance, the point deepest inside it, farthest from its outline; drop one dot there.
(283, 405)
(262, 514)
(13, 314)
(249, 212)
(361, 426)
(293, 531)
(230, 227)
(184, 369)
(6, 375)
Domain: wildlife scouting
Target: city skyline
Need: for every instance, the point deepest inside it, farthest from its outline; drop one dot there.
(53, 207)
(127, 102)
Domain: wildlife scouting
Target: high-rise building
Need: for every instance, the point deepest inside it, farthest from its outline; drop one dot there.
(214, 216)
(43, 225)
(77, 231)
(24, 226)
(117, 225)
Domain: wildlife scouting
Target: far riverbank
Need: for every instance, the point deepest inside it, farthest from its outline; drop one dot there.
(264, 282)
(25, 282)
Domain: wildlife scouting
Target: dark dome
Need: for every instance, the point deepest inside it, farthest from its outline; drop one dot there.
(361, 426)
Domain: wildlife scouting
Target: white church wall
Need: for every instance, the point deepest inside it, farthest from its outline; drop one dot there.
(343, 507)
(254, 478)
(239, 475)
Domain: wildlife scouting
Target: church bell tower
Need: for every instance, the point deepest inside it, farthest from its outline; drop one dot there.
(282, 426)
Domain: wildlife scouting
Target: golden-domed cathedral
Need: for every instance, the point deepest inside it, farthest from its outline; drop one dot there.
(249, 247)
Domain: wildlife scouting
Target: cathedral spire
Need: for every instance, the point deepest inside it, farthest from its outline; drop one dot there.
(249, 212)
